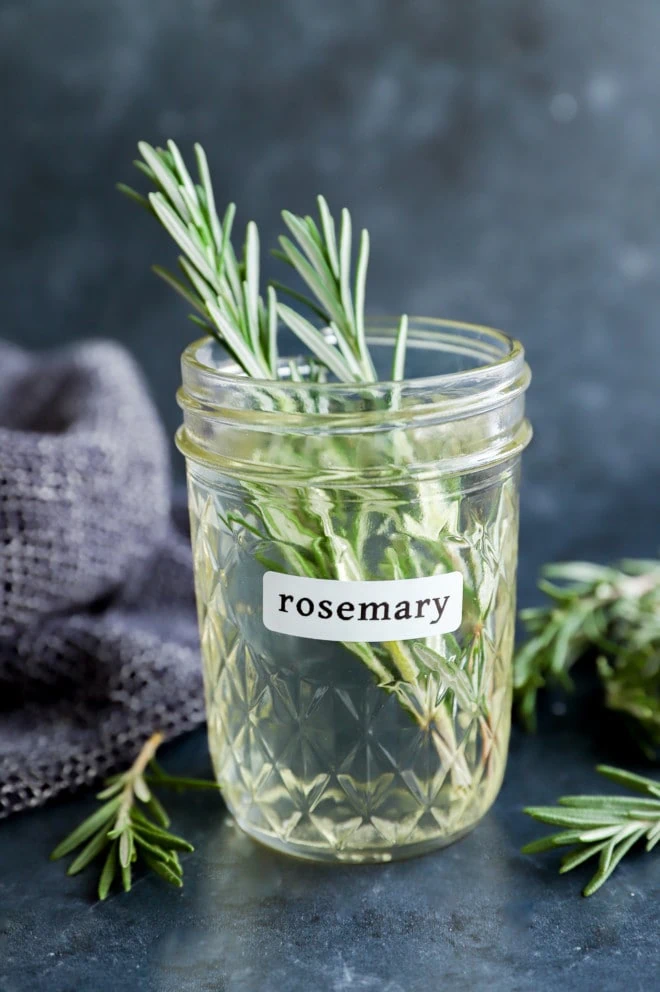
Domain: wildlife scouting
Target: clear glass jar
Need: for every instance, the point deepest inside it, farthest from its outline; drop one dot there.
(342, 749)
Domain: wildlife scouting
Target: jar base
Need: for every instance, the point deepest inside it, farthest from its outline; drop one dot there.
(302, 852)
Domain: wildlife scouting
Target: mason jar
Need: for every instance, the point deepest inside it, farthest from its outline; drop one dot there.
(355, 554)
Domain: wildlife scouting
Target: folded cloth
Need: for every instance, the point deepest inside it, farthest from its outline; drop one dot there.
(98, 636)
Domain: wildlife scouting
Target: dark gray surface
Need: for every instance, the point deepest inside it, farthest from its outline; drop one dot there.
(477, 916)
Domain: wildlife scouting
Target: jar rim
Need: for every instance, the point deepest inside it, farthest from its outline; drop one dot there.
(497, 376)
(500, 352)
(215, 398)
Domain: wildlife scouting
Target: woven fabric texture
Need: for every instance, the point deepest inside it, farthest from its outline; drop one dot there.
(98, 635)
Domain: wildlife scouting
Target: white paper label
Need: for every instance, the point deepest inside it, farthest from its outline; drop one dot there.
(333, 610)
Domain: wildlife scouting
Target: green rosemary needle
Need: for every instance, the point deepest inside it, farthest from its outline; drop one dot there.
(603, 826)
(131, 825)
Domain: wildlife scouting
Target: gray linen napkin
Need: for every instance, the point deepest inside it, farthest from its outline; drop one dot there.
(98, 636)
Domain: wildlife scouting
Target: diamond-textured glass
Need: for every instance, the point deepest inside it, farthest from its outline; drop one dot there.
(349, 751)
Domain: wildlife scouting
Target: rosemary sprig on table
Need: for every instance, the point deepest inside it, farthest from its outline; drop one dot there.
(610, 613)
(131, 825)
(603, 826)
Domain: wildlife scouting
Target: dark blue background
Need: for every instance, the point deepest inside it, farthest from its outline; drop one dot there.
(504, 154)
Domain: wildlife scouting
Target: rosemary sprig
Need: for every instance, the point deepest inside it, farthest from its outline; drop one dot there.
(131, 824)
(607, 826)
(225, 293)
(612, 613)
(325, 265)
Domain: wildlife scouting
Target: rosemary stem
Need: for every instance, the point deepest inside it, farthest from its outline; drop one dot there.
(402, 661)
(136, 770)
(146, 755)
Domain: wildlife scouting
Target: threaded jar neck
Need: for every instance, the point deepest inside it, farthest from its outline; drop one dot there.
(461, 409)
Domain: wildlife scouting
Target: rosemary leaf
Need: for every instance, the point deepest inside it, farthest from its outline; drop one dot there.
(200, 286)
(314, 252)
(639, 783)
(158, 811)
(125, 849)
(329, 235)
(181, 170)
(235, 342)
(578, 857)
(251, 284)
(360, 292)
(211, 213)
(163, 177)
(321, 289)
(345, 236)
(168, 840)
(134, 195)
(301, 298)
(164, 870)
(315, 341)
(108, 873)
(98, 819)
(399, 360)
(89, 852)
(126, 877)
(111, 789)
(178, 286)
(272, 350)
(180, 233)
(180, 783)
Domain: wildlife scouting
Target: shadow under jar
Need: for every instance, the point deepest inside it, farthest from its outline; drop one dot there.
(355, 553)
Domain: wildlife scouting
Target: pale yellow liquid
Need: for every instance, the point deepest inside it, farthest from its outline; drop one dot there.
(316, 759)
